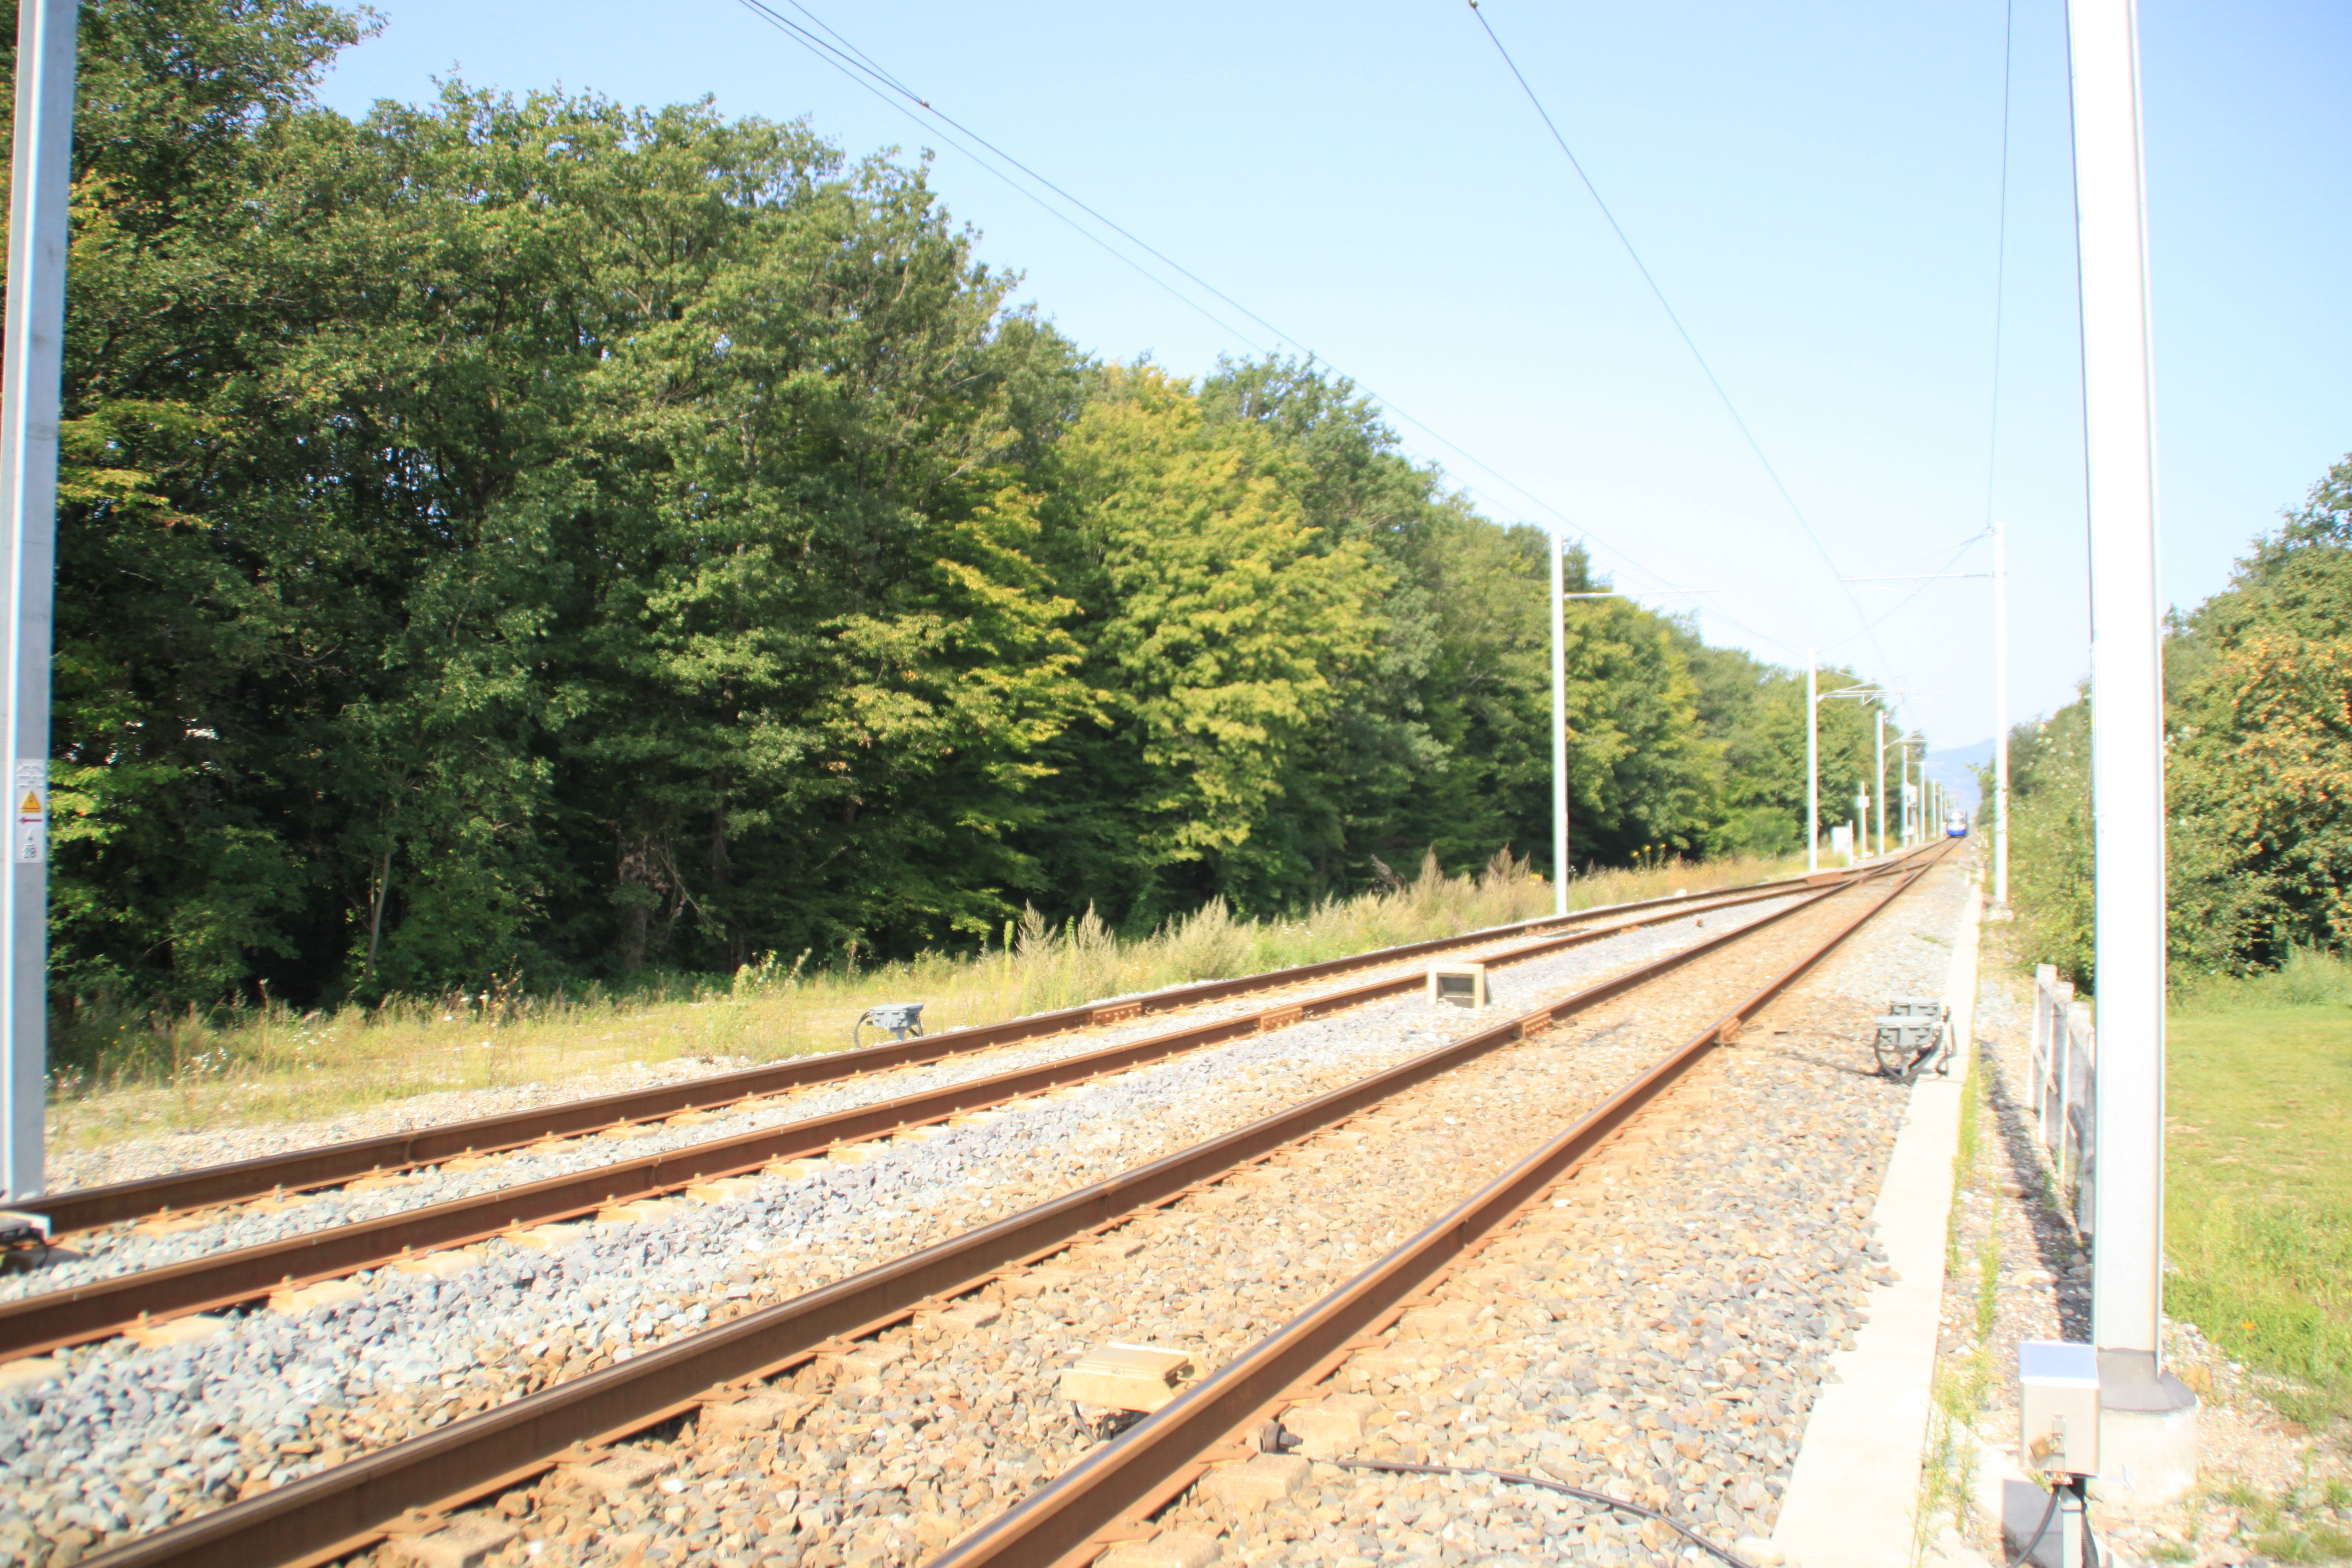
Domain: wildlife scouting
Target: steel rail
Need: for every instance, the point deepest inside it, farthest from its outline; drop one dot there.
(345, 1509)
(102, 1308)
(1115, 1488)
(300, 1170)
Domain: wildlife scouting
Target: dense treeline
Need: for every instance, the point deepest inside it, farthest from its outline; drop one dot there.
(2258, 766)
(542, 535)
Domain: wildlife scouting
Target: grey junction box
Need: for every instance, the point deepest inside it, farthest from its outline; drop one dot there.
(2058, 1407)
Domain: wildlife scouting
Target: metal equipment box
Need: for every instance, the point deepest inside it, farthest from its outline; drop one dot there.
(2058, 1407)
(899, 1020)
(1463, 985)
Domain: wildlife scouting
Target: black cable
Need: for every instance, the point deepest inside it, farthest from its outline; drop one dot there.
(2040, 1530)
(1516, 1478)
(868, 73)
(2082, 1499)
(1688, 341)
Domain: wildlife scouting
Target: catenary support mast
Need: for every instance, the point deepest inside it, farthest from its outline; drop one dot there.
(1559, 725)
(1879, 716)
(2148, 1421)
(2000, 715)
(1812, 761)
(30, 374)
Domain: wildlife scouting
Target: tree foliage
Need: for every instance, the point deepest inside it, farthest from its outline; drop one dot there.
(2258, 692)
(536, 534)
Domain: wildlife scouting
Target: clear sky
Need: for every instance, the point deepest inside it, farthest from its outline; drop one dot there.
(1815, 186)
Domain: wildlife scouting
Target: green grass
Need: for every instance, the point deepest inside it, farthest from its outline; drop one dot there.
(2258, 1184)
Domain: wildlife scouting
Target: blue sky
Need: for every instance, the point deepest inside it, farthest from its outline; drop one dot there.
(1814, 186)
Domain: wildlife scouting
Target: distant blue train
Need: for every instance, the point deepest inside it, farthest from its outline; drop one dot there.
(1955, 826)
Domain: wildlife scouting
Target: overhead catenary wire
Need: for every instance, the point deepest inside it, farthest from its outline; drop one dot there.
(838, 52)
(1659, 293)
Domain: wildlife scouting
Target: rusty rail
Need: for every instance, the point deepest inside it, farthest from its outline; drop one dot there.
(1116, 1487)
(347, 1508)
(103, 1308)
(301, 1170)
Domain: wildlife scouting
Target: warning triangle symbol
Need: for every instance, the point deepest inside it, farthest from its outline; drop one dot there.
(32, 804)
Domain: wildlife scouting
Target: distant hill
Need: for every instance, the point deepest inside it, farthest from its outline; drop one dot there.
(1953, 768)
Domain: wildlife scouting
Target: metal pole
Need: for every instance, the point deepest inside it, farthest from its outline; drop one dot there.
(2127, 697)
(1903, 765)
(1880, 715)
(2000, 715)
(31, 374)
(1559, 726)
(1812, 762)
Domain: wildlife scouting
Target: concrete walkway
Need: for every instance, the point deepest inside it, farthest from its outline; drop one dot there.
(1853, 1498)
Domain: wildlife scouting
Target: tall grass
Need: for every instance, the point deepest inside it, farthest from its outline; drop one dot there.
(127, 1070)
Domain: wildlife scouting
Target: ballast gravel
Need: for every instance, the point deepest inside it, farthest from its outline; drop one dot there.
(929, 1429)
(128, 1437)
(1657, 1333)
(124, 1249)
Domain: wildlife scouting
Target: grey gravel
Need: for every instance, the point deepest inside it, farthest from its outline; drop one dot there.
(129, 1438)
(1660, 1336)
(122, 1249)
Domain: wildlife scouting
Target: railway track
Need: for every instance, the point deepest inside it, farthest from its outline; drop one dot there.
(724, 1375)
(86, 1309)
(294, 1172)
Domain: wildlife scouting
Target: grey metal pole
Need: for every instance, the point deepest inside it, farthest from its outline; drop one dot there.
(1812, 762)
(31, 372)
(1880, 715)
(1903, 763)
(2147, 1425)
(1559, 725)
(2000, 715)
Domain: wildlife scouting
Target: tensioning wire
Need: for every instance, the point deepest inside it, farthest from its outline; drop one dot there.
(838, 52)
(1688, 342)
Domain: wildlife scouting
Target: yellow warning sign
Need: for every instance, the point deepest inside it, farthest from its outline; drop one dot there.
(32, 804)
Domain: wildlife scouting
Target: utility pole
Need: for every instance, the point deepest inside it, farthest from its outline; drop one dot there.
(2000, 715)
(2148, 1420)
(1814, 698)
(32, 368)
(1906, 792)
(1559, 725)
(1812, 762)
(1879, 714)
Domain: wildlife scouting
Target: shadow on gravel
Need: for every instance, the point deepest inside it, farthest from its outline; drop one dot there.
(1822, 1062)
(2054, 1242)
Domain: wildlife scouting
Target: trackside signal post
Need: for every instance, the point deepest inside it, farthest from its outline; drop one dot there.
(2148, 1421)
(30, 374)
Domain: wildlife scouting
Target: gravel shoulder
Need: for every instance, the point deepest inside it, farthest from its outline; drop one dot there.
(123, 1249)
(129, 1437)
(1658, 1334)
(1691, 1307)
